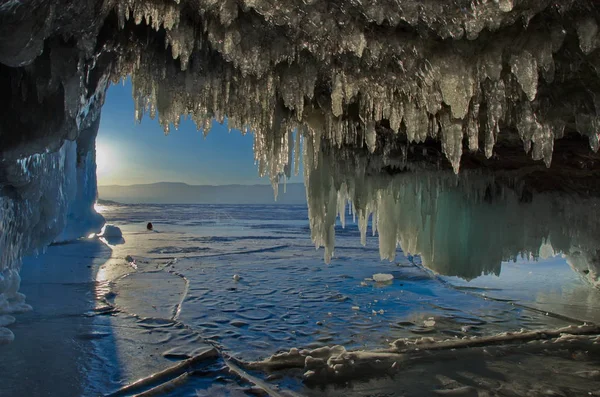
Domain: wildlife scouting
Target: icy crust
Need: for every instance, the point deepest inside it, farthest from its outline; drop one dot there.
(499, 71)
(35, 213)
(335, 364)
(32, 215)
(440, 216)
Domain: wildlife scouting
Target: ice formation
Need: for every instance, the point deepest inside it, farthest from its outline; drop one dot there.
(40, 194)
(411, 84)
(110, 231)
(464, 73)
(112, 235)
(443, 217)
(382, 277)
(336, 364)
(81, 218)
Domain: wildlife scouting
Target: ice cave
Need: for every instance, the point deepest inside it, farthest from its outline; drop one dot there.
(461, 134)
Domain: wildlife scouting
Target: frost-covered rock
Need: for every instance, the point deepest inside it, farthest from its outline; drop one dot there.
(40, 195)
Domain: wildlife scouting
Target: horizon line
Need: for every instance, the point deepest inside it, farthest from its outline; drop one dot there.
(189, 184)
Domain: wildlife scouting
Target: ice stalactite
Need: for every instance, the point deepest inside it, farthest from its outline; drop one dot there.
(465, 74)
(462, 225)
(493, 78)
(474, 71)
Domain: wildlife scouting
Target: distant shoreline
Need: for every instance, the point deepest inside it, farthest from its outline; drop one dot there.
(182, 193)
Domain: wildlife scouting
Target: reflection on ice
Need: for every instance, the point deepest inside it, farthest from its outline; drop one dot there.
(545, 284)
(288, 297)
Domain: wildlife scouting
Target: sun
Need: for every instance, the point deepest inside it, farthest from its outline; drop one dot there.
(103, 160)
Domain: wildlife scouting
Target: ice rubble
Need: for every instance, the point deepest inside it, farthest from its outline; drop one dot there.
(336, 364)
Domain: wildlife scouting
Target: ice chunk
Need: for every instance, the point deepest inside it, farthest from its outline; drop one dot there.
(6, 336)
(111, 231)
(6, 320)
(382, 277)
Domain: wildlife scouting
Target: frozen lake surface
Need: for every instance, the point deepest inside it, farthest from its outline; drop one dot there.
(248, 281)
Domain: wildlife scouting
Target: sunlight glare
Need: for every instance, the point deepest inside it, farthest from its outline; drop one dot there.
(103, 160)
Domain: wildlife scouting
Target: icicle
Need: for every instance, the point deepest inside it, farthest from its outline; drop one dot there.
(524, 67)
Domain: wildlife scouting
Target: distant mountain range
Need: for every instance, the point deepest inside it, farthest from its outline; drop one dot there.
(182, 193)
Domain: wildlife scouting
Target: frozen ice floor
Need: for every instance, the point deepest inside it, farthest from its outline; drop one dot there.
(101, 321)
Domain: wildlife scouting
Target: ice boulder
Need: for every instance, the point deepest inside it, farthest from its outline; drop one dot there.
(111, 231)
(112, 234)
(6, 336)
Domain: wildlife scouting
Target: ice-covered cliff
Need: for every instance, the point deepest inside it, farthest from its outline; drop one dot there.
(44, 197)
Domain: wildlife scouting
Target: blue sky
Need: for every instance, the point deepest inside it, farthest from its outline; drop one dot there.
(130, 153)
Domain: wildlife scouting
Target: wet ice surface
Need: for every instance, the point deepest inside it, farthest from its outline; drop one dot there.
(548, 285)
(249, 281)
(161, 296)
(286, 296)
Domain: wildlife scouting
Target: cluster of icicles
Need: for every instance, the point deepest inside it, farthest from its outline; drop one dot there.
(464, 225)
(251, 63)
